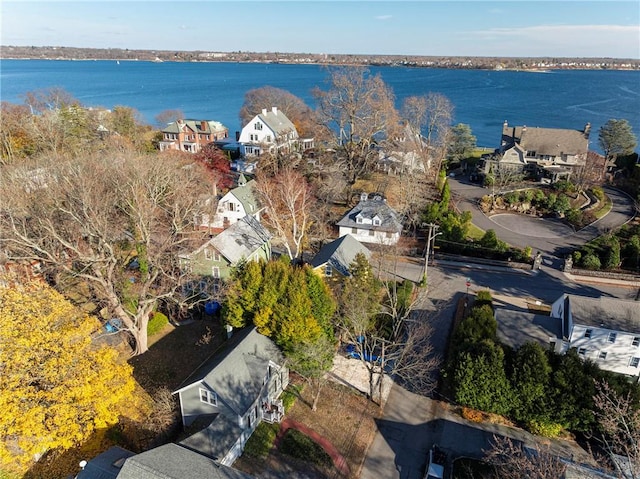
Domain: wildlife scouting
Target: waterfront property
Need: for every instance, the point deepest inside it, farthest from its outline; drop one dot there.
(603, 330)
(270, 131)
(372, 220)
(191, 135)
(227, 397)
(550, 154)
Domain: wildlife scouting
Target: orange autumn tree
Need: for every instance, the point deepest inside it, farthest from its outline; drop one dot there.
(59, 386)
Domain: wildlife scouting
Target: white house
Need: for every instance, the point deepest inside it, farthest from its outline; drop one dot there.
(372, 220)
(270, 131)
(604, 330)
(232, 207)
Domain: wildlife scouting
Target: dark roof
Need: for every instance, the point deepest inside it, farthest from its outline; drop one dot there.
(610, 313)
(547, 141)
(340, 253)
(106, 465)
(173, 461)
(518, 327)
(216, 434)
(370, 208)
(236, 372)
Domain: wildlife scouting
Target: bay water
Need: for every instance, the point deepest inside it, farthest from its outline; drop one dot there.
(215, 91)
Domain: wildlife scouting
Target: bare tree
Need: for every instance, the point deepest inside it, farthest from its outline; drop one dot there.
(86, 220)
(360, 109)
(288, 203)
(167, 116)
(511, 459)
(619, 420)
(312, 361)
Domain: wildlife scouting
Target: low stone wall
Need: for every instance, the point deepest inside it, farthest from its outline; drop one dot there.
(473, 259)
(604, 274)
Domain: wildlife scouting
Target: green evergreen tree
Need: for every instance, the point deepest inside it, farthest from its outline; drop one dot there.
(530, 378)
(293, 318)
(323, 303)
(276, 277)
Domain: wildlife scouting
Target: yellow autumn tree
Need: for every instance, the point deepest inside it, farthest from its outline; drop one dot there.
(58, 385)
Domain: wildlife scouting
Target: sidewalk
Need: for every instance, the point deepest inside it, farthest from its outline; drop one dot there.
(594, 279)
(478, 266)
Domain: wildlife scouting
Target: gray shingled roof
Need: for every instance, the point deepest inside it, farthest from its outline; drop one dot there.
(340, 253)
(172, 461)
(547, 141)
(236, 373)
(246, 195)
(369, 209)
(241, 239)
(603, 312)
(106, 465)
(195, 125)
(216, 434)
(518, 327)
(278, 122)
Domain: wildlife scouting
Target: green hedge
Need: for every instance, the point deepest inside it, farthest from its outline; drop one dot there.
(296, 444)
(262, 439)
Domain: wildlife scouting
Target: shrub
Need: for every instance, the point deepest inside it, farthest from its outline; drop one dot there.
(598, 193)
(577, 256)
(512, 197)
(483, 297)
(290, 395)
(544, 428)
(156, 323)
(591, 261)
(262, 439)
(296, 444)
(473, 414)
(527, 196)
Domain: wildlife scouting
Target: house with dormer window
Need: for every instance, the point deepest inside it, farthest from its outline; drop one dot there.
(232, 207)
(225, 399)
(603, 330)
(270, 132)
(191, 135)
(372, 220)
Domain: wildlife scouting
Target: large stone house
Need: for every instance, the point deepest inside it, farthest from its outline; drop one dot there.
(270, 131)
(191, 135)
(372, 220)
(604, 330)
(227, 397)
(550, 153)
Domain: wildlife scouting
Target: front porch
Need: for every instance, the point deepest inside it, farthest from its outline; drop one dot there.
(272, 411)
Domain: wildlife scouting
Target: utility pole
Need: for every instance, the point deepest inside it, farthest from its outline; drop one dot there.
(431, 236)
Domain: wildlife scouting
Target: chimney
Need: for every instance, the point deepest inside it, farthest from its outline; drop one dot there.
(264, 111)
(587, 130)
(203, 125)
(274, 109)
(237, 135)
(364, 196)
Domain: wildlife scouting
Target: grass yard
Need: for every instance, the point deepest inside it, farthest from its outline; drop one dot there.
(344, 417)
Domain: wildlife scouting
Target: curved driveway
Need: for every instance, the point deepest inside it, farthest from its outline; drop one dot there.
(548, 236)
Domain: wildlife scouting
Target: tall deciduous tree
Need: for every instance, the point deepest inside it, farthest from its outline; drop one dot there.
(360, 109)
(294, 108)
(288, 202)
(87, 219)
(217, 164)
(58, 386)
(616, 138)
(312, 360)
(510, 459)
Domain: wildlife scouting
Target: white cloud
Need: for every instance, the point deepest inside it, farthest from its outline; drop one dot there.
(384, 17)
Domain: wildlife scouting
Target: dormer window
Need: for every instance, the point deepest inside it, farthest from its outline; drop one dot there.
(376, 221)
(257, 126)
(359, 219)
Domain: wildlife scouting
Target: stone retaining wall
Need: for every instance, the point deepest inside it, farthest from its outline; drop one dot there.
(603, 274)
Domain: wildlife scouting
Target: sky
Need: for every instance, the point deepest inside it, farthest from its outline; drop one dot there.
(514, 28)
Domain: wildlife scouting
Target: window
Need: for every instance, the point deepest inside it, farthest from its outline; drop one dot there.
(354, 231)
(216, 256)
(612, 337)
(328, 270)
(587, 333)
(389, 234)
(372, 233)
(232, 206)
(268, 138)
(636, 341)
(252, 417)
(359, 219)
(215, 272)
(376, 222)
(257, 126)
(582, 351)
(634, 362)
(602, 355)
(208, 254)
(208, 397)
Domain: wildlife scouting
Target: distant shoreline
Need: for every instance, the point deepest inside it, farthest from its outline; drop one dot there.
(410, 61)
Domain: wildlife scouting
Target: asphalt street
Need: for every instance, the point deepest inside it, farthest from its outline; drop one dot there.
(412, 423)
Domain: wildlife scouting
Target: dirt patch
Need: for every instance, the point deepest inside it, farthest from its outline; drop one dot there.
(345, 417)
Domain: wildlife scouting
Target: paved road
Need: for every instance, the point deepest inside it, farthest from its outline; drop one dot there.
(551, 237)
(411, 423)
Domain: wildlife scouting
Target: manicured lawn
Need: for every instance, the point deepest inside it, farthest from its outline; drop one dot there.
(475, 233)
(605, 208)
